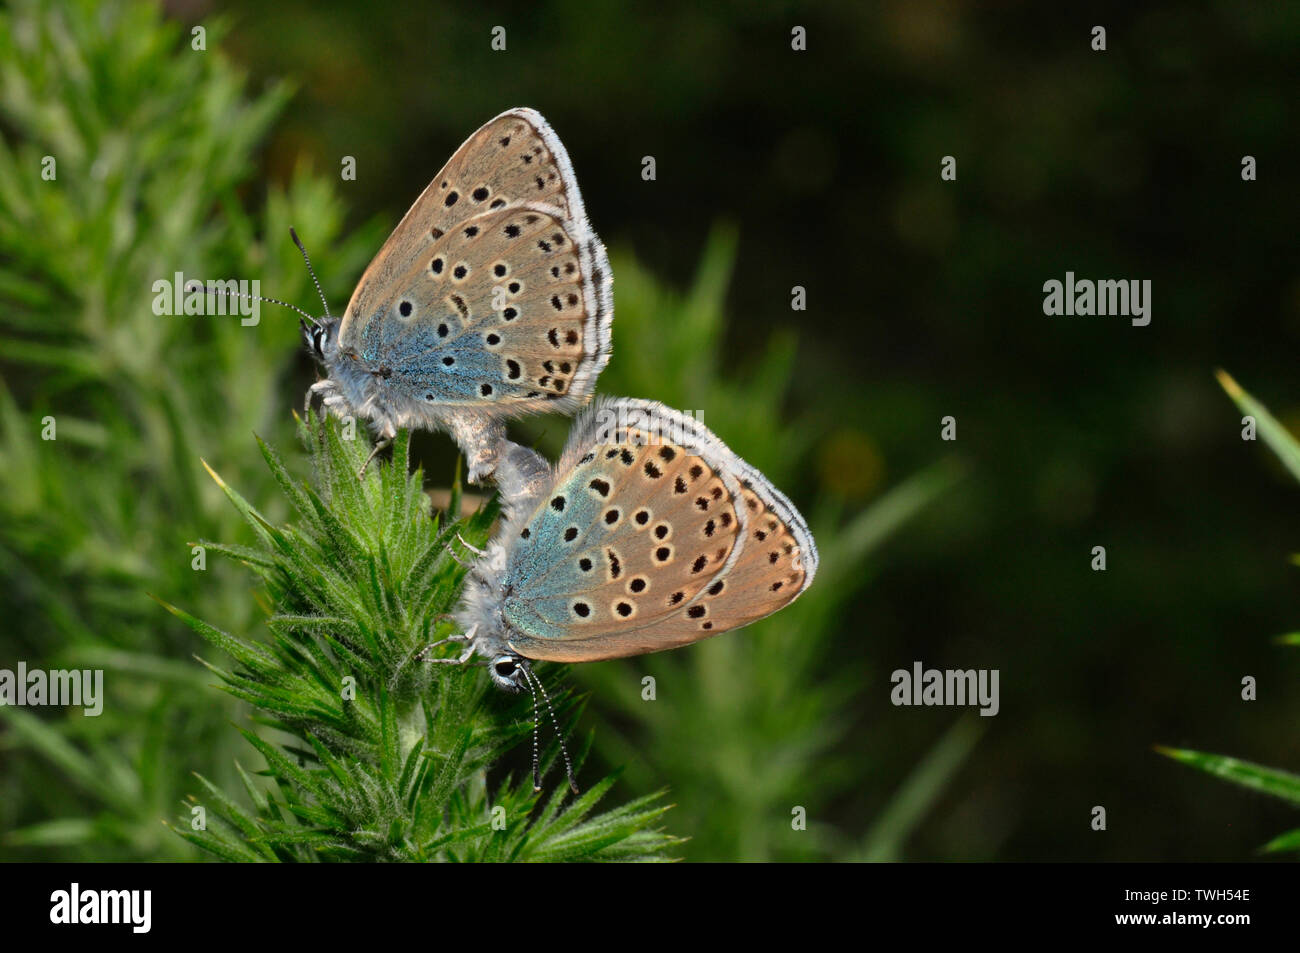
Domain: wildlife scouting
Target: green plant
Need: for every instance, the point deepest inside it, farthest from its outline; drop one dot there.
(1256, 777)
(126, 157)
(386, 756)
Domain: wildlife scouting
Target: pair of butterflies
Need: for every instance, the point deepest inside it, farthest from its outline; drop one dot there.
(492, 299)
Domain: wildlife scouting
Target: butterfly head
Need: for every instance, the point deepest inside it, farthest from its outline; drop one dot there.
(507, 672)
(321, 338)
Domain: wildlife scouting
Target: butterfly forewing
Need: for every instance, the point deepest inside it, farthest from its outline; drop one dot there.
(645, 543)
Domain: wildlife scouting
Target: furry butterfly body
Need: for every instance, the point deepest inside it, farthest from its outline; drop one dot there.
(649, 534)
(491, 299)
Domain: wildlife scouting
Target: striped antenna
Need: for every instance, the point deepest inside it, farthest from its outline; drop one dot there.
(533, 679)
(310, 270)
(239, 294)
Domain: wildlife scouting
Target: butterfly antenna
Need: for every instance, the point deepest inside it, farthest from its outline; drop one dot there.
(310, 270)
(537, 770)
(239, 294)
(568, 765)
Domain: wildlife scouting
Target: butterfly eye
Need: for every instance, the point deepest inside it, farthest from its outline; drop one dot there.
(318, 337)
(505, 667)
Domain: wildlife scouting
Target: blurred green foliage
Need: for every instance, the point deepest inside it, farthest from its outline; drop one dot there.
(153, 150)
(1256, 777)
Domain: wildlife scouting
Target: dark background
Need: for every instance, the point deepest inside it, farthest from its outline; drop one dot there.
(925, 300)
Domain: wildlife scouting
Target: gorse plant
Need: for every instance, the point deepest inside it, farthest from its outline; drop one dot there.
(388, 755)
(1256, 777)
(126, 157)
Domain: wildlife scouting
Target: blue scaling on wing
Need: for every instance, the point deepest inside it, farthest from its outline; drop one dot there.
(442, 368)
(544, 570)
(525, 618)
(372, 343)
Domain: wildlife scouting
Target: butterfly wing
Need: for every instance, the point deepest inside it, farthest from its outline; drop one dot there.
(499, 311)
(496, 268)
(650, 537)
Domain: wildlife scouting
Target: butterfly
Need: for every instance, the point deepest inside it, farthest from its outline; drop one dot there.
(650, 534)
(491, 299)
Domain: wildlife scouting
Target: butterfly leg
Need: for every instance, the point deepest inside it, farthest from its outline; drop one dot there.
(325, 387)
(387, 434)
(473, 549)
(467, 637)
(334, 403)
(464, 657)
(382, 444)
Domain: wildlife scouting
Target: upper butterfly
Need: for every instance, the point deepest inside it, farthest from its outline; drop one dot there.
(491, 298)
(650, 534)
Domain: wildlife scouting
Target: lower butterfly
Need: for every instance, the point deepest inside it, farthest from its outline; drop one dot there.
(650, 534)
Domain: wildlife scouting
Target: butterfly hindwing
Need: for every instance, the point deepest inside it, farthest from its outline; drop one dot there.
(647, 541)
(500, 310)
